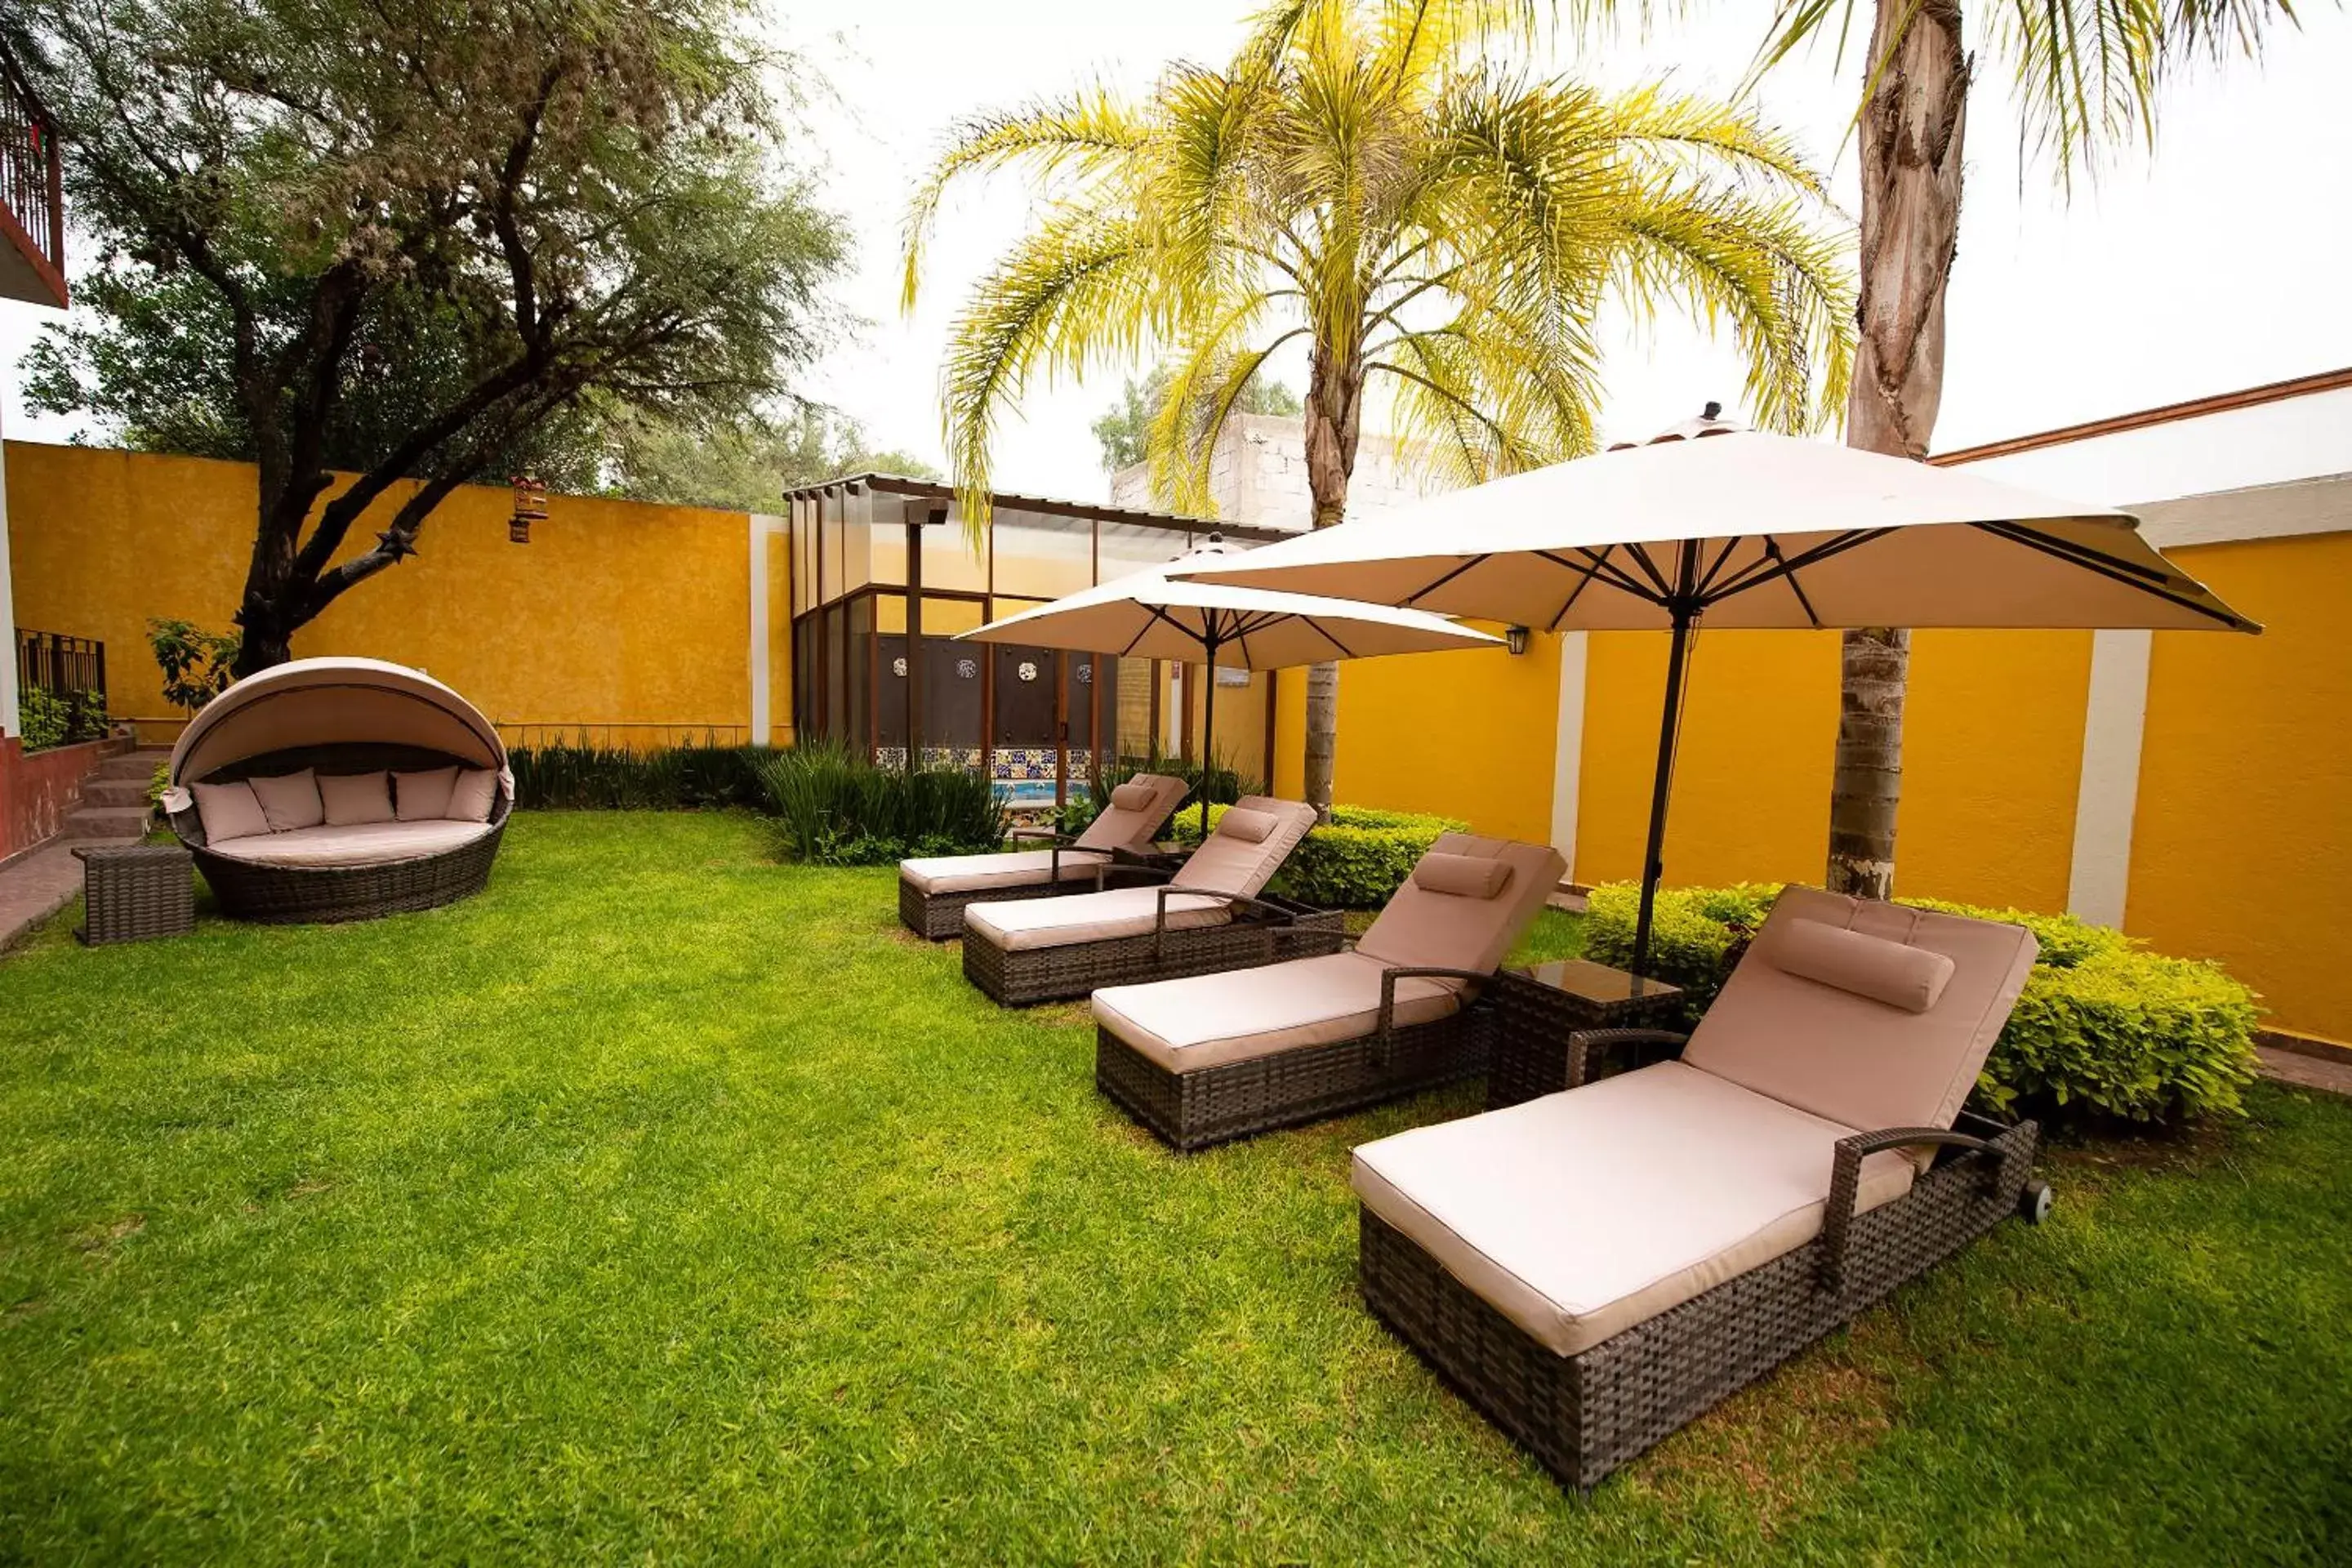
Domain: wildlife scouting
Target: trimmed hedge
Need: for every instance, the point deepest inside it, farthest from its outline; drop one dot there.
(611, 778)
(2104, 1028)
(1355, 861)
(834, 808)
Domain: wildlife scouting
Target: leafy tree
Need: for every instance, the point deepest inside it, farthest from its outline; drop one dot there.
(197, 665)
(554, 201)
(1124, 430)
(1369, 178)
(747, 465)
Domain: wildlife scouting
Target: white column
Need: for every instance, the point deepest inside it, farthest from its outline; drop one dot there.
(1567, 749)
(764, 527)
(7, 611)
(2108, 793)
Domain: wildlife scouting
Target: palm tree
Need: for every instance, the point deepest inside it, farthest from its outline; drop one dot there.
(2086, 75)
(1367, 180)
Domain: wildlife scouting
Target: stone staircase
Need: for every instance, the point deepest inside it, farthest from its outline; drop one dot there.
(114, 799)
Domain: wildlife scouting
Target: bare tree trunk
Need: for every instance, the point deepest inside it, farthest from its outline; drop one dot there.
(1335, 391)
(1911, 134)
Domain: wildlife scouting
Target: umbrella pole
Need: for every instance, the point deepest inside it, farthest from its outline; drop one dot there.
(1652, 853)
(1208, 725)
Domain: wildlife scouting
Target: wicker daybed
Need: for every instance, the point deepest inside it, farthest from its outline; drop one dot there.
(342, 723)
(1596, 1268)
(934, 892)
(1219, 1057)
(1212, 915)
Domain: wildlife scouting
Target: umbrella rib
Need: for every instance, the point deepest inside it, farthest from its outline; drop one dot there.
(2022, 535)
(1316, 621)
(2115, 571)
(1772, 549)
(1599, 564)
(1707, 578)
(1649, 567)
(1570, 603)
(1770, 568)
(1414, 598)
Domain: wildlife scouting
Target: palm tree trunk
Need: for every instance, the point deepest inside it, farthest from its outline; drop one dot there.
(1911, 135)
(1335, 388)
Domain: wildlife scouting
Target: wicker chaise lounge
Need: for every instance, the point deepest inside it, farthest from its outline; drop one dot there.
(1596, 1268)
(933, 892)
(339, 789)
(1212, 915)
(1202, 1060)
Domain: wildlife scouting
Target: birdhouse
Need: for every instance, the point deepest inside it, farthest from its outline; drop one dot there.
(530, 507)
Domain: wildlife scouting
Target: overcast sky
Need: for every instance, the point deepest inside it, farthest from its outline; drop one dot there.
(2216, 264)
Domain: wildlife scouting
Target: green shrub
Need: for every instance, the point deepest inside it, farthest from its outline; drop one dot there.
(1355, 861)
(2103, 1027)
(43, 720)
(1696, 934)
(834, 808)
(564, 777)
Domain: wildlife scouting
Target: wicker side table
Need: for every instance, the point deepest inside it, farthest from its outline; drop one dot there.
(134, 891)
(1535, 1009)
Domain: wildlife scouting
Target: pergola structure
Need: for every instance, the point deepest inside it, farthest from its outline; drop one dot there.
(883, 578)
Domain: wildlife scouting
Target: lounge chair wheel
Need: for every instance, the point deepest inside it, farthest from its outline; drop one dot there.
(2033, 1203)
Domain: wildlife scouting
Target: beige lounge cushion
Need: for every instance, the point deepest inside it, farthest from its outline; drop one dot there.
(1136, 812)
(1846, 1056)
(228, 811)
(288, 800)
(359, 844)
(1209, 1020)
(1231, 862)
(473, 794)
(354, 800)
(1461, 876)
(1018, 924)
(1579, 1214)
(978, 873)
(1423, 926)
(420, 797)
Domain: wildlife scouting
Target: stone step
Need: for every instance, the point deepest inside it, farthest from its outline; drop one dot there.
(106, 821)
(140, 765)
(103, 791)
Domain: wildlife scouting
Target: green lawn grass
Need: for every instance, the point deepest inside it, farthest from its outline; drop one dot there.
(666, 1203)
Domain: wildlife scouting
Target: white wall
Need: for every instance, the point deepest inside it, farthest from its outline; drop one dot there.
(2294, 438)
(1257, 475)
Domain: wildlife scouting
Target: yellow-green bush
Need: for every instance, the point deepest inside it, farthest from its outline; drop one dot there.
(2103, 1027)
(1355, 861)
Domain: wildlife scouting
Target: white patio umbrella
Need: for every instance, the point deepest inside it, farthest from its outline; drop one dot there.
(1150, 615)
(1718, 524)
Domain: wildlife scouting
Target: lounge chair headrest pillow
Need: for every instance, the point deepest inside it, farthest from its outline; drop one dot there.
(1462, 875)
(1133, 797)
(228, 811)
(1911, 978)
(1249, 827)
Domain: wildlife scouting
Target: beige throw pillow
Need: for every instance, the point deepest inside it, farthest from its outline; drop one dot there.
(289, 801)
(352, 799)
(476, 791)
(228, 811)
(423, 796)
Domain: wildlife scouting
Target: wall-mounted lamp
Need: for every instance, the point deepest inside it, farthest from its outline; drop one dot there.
(530, 507)
(1515, 639)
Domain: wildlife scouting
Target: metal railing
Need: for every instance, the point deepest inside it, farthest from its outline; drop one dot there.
(32, 179)
(59, 665)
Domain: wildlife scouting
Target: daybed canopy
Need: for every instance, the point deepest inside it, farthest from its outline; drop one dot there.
(328, 702)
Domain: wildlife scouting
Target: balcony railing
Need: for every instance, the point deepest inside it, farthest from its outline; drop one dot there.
(32, 195)
(61, 666)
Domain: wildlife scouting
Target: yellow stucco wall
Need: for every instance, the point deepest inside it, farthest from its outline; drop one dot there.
(1464, 734)
(1752, 778)
(616, 614)
(2241, 844)
(1992, 756)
